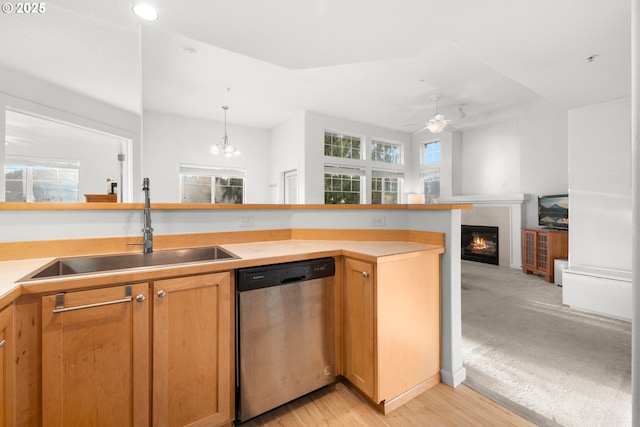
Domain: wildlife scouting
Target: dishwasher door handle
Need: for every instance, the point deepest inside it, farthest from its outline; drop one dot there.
(292, 279)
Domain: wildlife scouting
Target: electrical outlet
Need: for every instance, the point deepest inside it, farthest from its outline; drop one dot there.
(246, 221)
(377, 221)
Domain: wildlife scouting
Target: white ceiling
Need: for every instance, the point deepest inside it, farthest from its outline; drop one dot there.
(373, 61)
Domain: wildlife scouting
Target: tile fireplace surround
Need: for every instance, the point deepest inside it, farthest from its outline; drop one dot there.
(504, 211)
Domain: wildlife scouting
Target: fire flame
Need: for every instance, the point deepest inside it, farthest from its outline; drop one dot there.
(479, 243)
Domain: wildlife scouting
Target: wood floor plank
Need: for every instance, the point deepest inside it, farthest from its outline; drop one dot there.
(441, 406)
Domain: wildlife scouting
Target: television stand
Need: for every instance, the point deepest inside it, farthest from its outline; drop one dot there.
(540, 248)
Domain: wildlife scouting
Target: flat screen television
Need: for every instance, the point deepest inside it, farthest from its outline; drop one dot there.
(553, 211)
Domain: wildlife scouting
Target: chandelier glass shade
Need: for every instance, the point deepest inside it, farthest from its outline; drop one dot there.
(223, 146)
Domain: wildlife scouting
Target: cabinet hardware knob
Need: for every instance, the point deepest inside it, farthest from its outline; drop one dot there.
(365, 274)
(140, 298)
(161, 293)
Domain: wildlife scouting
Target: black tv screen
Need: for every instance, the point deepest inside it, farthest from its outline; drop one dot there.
(553, 211)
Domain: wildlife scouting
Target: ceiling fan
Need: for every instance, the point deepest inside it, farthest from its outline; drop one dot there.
(437, 123)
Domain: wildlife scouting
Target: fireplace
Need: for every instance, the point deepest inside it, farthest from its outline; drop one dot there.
(480, 243)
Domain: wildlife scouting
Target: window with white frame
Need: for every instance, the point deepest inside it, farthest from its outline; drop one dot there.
(29, 179)
(386, 187)
(204, 184)
(343, 185)
(431, 185)
(385, 152)
(343, 146)
(430, 152)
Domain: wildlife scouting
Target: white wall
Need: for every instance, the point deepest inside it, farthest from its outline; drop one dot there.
(600, 186)
(171, 140)
(287, 153)
(523, 149)
(490, 162)
(600, 264)
(544, 153)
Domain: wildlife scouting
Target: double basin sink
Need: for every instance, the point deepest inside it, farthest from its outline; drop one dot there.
(93, 264)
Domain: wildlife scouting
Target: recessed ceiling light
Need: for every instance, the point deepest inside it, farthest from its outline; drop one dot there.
(145, 11)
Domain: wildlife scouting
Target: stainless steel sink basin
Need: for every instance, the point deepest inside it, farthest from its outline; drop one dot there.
(84, 265)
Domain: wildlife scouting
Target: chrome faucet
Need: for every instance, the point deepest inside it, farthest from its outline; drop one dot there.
(147, 231)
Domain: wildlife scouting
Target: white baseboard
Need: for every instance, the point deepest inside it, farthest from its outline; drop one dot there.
(609, 296)
(453, 379)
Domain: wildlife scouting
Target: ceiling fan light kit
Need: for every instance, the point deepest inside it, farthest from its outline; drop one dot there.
(436, 127)
(437, 123)
(146, 10)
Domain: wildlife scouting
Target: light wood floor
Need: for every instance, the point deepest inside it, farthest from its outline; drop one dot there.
(441, 406)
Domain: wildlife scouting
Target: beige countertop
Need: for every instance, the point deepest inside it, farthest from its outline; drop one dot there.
(249, 254)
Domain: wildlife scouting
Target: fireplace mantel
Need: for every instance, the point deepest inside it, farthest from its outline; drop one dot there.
(514, 203)
(487, 199)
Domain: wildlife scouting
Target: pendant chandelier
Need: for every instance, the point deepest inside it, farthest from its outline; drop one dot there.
(223, 146)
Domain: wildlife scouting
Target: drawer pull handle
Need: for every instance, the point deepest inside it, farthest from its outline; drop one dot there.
(2, 343)
(161, 293)
(60, 308)
(365, 274)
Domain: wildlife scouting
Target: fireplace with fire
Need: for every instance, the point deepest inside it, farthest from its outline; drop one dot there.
(480, 243)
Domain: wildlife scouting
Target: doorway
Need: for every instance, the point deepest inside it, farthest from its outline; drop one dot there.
(290, 187)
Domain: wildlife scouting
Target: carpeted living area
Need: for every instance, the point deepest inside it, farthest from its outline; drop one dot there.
(544, 361)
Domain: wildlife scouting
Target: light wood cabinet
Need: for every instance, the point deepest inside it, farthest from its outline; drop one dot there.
(358, 324)
(391, 326)
(7, 379)
(540, 248)
(97, 367)
(95, 357)
(193, 351)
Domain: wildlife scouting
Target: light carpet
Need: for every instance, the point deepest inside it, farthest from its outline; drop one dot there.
(550, 364)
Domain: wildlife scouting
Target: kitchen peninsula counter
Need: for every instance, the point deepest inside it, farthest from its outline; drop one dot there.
(260, 234)
(249, 254)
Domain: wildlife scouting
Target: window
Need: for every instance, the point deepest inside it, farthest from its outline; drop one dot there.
(385, 152)
(342, 185)
(344, 146)
(386, 187)
(202, 184)
(431, 152)
(431, 182)
(41, 180)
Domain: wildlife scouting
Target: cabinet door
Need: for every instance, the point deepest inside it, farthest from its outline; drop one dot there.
(6, 367)
(408, 323)
(193, 348)
(95, 357)
(530, 250)
(358, 324)
(542, 252)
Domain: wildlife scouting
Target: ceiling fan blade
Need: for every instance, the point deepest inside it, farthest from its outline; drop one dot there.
(419, 131)
(19, 140)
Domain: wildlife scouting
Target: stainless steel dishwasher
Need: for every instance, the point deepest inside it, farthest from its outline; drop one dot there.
(285, 333)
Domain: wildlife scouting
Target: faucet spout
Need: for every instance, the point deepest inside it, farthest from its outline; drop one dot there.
(147, 231)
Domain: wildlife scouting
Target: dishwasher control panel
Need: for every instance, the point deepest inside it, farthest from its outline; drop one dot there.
(279, 274)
